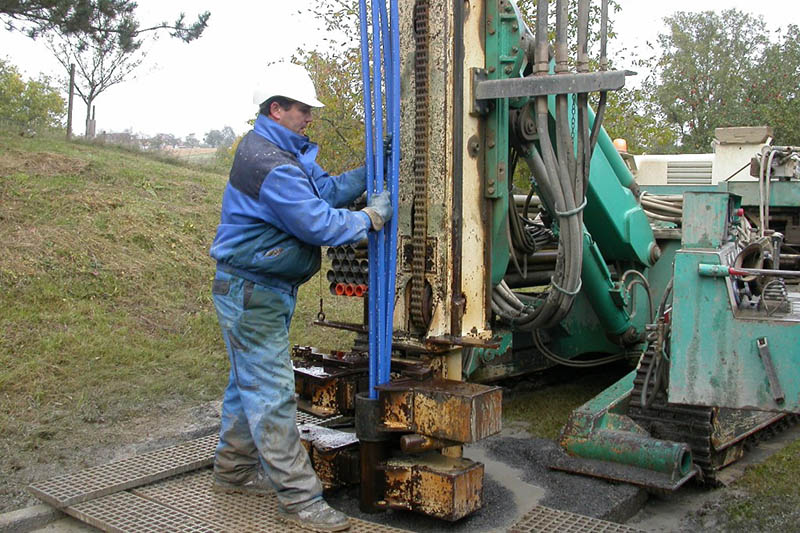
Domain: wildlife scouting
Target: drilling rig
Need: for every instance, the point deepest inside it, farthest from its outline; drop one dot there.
(569, 266)
(487, 272)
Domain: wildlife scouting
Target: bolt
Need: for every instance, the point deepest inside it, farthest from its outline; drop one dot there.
(491, 69)
(491, 144)
(514, 50)
(473, 146)
(655, 253)
(515, 27)
(507, 70)
(508, 8)
(490, 190)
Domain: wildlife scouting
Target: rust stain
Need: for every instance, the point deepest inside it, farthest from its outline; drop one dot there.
(397, 409)
(435, 485)
(332, 454)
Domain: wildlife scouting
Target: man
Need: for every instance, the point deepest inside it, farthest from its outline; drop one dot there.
(278, 208)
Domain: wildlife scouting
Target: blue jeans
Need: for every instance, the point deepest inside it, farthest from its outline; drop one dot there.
(259, 406)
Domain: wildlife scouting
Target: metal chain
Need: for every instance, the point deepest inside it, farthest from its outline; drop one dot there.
(572, 118)
(420, 227)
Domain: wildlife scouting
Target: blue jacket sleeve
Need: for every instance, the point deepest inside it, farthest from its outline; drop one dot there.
(295, 207)
(341, 190)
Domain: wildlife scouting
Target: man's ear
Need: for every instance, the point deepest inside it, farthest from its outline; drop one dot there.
(275, 111)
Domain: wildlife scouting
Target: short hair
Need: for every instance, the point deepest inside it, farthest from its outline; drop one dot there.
(285, 103)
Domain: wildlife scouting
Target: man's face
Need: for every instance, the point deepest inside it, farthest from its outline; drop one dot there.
(296, 118)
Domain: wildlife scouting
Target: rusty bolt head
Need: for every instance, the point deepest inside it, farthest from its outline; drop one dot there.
(491, 69)
(507, 70)
(473, 146)
(655, 253)
(490, 190)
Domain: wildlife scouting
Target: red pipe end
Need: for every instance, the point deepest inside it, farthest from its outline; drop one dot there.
(339, 289)
(349, 289)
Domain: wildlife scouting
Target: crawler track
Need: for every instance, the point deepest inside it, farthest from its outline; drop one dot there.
(717, 436)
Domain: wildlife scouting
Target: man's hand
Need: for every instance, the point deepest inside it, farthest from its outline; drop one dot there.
(379, 209)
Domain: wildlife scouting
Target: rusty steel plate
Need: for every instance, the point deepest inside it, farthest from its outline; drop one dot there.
(138, 470)
(442, 408)
(191, 494)
(449, 488)
(334, 455)
(544, 519)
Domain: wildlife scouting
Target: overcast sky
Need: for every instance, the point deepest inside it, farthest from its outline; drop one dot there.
(193, 88)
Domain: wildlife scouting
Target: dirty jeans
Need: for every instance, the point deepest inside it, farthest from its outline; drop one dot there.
(259, 406)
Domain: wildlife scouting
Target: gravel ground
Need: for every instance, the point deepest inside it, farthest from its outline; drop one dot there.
(517, 477)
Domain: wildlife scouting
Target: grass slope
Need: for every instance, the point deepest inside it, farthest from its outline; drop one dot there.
(105, 290)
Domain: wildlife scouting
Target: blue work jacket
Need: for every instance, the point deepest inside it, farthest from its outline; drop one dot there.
(280, 206)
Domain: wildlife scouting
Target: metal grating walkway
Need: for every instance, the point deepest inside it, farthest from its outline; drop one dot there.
(135, 471)
(544, 519)
(169, 490)
(191, 494)
(114, 477)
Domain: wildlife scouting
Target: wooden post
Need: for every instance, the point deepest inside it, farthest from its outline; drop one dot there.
(71, 98)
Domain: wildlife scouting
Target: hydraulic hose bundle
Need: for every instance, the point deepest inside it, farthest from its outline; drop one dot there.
(561, 172)
(380, 72)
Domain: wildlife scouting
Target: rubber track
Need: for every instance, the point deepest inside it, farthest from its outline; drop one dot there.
(693, 425)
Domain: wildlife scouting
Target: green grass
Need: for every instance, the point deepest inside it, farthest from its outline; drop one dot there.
(105, 288)
(767, 497)
(542, 412)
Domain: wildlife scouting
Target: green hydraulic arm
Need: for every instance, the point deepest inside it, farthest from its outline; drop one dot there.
(616, 228)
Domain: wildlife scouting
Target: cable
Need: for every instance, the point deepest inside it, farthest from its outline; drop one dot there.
(644, 283)
(549, 354)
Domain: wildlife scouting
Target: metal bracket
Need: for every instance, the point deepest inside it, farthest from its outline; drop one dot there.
(772, 376)
(479, 107)
(611, 80)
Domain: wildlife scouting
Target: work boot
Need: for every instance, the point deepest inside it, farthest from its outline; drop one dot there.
(258, 485)
(318, 516)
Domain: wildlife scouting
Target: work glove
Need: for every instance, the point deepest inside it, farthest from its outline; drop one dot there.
(379, 209)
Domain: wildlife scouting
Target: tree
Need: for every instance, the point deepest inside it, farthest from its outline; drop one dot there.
(34, 103)
(703, 71)
(772, 94)
(220, 138)
(161, 141)
(102, 60)
(631, 115)
(339, 126)
(191, 141)
(80, 17)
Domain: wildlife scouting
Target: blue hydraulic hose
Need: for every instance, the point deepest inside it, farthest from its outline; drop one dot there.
(393, 113)
(373, 276)
(382, 245)
(387, 279)
(377, 298)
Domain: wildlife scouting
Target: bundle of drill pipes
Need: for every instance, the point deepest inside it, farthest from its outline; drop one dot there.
(382, 246)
